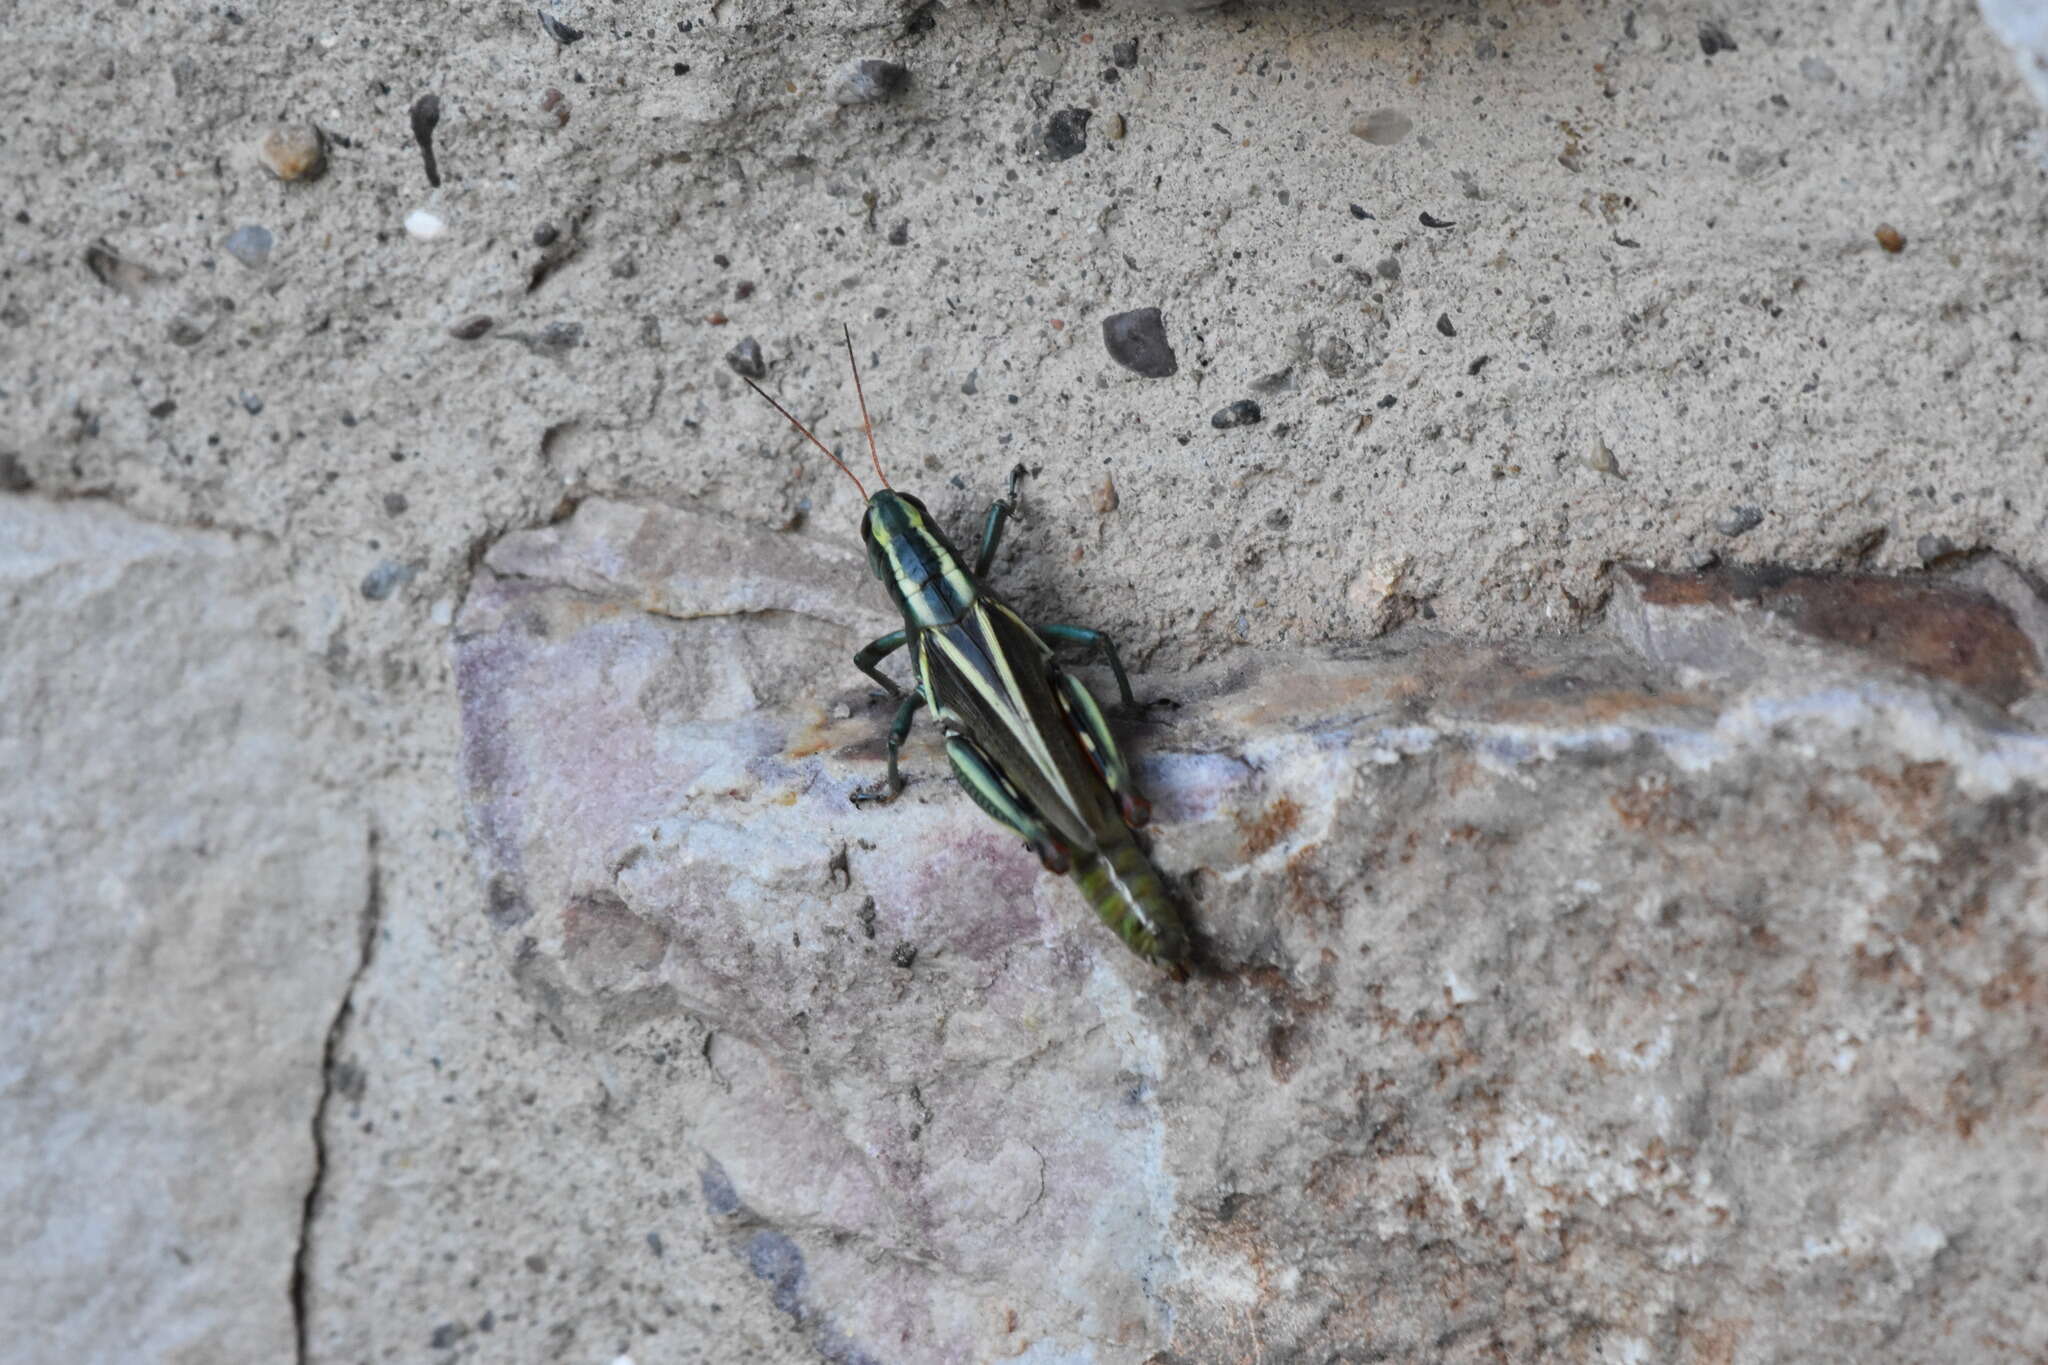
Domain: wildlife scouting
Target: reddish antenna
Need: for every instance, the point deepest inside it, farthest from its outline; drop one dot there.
(812, 439)
(866, 425)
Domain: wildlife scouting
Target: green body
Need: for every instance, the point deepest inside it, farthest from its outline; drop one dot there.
(1025, 738)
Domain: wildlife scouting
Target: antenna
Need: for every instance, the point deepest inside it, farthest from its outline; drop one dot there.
(814, 440)
(866, 425)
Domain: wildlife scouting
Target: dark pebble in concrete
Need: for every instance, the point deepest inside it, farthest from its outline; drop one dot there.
(1443, 324)
(1389, 401)
(1714, 38)
(746, 359)
(1388, 270)
(558, 30)
(1066, 134)
(469, 329)
(869, 80)
(1242, 413)
(395, 504)
(899, 234)
(1358, 212)
(1137, 341)
(426, 116)
(251, 404)
(1739, 521)
(1125, 53)
(380, 582)
(545, 234)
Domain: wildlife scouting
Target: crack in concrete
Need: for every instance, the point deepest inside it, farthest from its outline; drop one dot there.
(337, 1025)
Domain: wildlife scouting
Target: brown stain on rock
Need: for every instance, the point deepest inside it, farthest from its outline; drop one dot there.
(1934, 629)
(1269, 826)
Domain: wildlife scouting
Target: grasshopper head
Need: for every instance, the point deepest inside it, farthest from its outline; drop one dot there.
(895, 527)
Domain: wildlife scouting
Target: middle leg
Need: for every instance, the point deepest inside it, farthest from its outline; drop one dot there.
(898, 732)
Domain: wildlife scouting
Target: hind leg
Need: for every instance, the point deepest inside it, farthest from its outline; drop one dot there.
(1101, 746)
(993, 793)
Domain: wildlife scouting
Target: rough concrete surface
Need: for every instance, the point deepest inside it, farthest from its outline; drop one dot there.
(1644, 968)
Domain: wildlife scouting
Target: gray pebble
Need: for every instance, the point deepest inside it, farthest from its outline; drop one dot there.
(561, 336)
(1125, 53)
(395, 504)
(1242, 413)
(380, 582)
(972, 384)
(250, 245)
(187, 329)
(1137, 341)
(1699, 561)
(1066, 134)
(1443, 324)
(1388, 270)
(251, 404)
(869, 80)
(1382, 127)
(746, 359)
(1931, 548)
(469, 329)
(1335, 356)
(1740, 521)
(899, 234)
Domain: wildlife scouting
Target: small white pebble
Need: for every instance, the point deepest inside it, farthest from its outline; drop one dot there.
(423, 225)
(443, 611)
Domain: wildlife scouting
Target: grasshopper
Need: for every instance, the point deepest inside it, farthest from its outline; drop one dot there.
(1025, 738)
